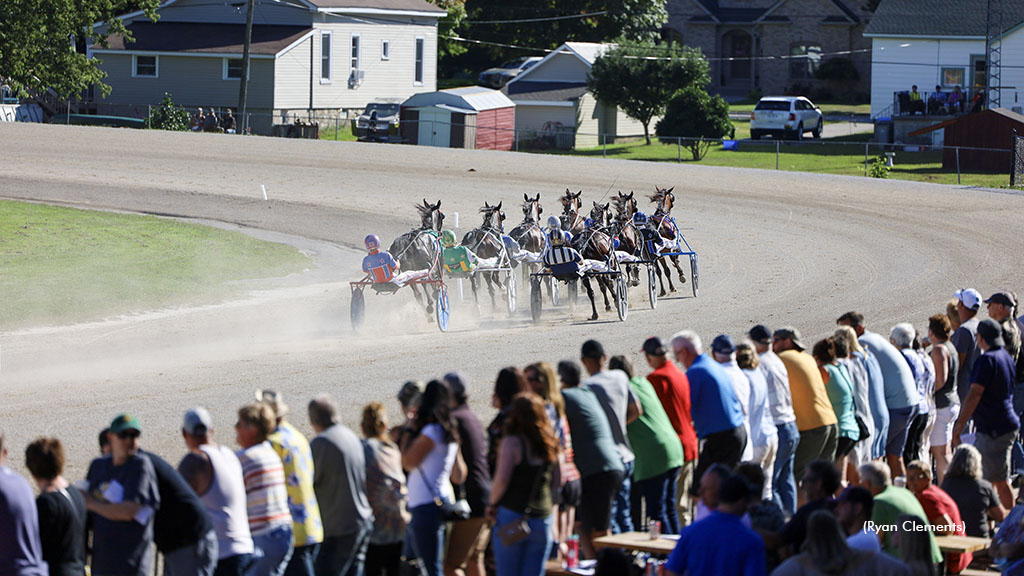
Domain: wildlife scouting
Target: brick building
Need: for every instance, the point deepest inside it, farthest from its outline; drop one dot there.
(744, 39)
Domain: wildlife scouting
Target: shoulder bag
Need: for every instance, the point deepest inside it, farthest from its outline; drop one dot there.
(518, 530)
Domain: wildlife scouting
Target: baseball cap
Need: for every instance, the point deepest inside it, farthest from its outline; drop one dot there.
(792, 334)
(592, 349)
(654, 347)
(760, 334)
(197, 421)
(1003, 298)
(274, 400)
(991, 332)
(723, 344)
(125, 422)
(969, 297)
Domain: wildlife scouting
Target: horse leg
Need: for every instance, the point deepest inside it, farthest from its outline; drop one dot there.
(472, 285)
(668, 273)
(491, 281)
(661, 280)
(416, 294)
(606, 286)
(590, 294)
(634, 274)
(679, 269)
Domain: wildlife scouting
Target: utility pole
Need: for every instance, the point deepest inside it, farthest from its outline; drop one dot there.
(244, 84)
(993, 54)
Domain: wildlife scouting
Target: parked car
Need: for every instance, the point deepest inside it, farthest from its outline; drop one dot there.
(785, 117)
(378, 122)
(497, 77)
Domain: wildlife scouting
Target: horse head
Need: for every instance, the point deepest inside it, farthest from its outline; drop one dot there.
(571, 203)
(532, 209)
(600, 214)
(493, 216)
(431, 217)
(625, 206)
(663, 199)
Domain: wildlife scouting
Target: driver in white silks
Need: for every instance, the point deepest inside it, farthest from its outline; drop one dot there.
(559, 255)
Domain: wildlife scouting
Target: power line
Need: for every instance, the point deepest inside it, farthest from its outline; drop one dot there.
(548, 19)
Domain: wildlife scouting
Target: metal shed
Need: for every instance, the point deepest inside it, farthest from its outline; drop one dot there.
(991, 129)
(472, 117)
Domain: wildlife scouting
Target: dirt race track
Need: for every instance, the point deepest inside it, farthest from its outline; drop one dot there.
(775, 247)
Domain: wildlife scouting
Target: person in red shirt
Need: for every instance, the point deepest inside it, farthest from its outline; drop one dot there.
(941, 509)
(673, 390)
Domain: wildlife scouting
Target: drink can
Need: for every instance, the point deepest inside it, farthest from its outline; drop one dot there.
(572, 555)
(654, 529)
(900, 481)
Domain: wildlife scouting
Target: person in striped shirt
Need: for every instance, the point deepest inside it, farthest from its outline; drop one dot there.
(270, 520)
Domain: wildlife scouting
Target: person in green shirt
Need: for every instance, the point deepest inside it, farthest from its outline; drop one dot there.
(457, 259)
(659, 453)
(890, 503)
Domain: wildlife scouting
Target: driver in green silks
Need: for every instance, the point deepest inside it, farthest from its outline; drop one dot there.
(457, 259)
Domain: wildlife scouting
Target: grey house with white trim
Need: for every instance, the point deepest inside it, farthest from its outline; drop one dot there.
(308, 57)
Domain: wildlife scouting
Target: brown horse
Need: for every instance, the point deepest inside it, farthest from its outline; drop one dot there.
(626, 232)
(572, 221)
(662, 219)
(418, 249)
(486, 242)
(529, 233)
(594, 244)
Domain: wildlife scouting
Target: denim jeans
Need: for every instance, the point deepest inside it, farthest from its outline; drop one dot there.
(237, 565)
(302, 561)
(659, 494)
(427, 528)
(528, 556)
(273, 550)
(621, 520)
(783, 481)
(1018, 450)
(343, 555)
(198, 559)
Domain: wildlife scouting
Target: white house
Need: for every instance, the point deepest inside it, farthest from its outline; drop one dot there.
(941, 43)
(307, 56)
(552, 101)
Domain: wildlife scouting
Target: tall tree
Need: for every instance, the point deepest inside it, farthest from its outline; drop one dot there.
(38, 39)
(641, 78)
(695, 114)
(448, 27)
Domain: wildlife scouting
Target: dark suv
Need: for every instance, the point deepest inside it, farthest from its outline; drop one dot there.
(378, 122)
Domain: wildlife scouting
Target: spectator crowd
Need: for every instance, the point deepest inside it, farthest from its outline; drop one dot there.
(767, 455)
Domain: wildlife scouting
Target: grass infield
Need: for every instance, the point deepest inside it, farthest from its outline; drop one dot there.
(61, 265)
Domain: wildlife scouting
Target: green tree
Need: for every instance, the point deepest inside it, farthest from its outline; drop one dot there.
(448, 27)
(840, 74)
(38, 39)
(641, 78)
(693, 113)
(168, 116)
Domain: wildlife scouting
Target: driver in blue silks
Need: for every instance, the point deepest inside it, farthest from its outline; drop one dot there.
(559, 255)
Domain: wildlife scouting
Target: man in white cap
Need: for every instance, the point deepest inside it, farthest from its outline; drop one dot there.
(293, 448)
(215, 474)
(968, 301)
(991, 399)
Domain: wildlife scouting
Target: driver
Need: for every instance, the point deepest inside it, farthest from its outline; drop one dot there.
(651, 236)
(457, 259)
(379, 264)
(559, 255)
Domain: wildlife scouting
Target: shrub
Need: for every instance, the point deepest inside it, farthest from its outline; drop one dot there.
(879, 168)
(168, 116)
(693, 113)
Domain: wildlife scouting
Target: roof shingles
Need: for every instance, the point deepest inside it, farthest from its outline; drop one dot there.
(939, 17)
(208, 38)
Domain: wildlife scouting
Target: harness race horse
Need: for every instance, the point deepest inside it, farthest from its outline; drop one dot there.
(625, 231)
(572, 221)
(419, 249)
(486, 242)
(666, 226)
(595, 244)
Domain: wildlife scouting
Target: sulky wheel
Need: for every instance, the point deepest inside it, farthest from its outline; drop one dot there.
(652, 286)
(442, 309)
(536, 300)
(694, 273)
(357, 311)
(510, 291)
(556, 296)
(621, 296)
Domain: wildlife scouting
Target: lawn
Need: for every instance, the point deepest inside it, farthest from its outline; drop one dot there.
(340, 131)
(822, 156)
(61, 265)
(827, 108)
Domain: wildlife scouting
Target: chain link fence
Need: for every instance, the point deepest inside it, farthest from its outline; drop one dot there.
(1017, 166)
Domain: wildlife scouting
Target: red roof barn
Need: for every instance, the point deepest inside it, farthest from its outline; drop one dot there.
(991, 129)
(472, 117)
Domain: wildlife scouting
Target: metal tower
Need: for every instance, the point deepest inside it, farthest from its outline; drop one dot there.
(993, 54)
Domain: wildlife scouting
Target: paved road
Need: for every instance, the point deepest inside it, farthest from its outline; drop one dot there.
(775, 247)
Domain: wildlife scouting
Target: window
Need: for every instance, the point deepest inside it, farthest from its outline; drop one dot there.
(418, 78)
(325, 57)
(804, 61)
(232, 68)
(385, 49)
(355, 52)
(952, 77)
(145, 67)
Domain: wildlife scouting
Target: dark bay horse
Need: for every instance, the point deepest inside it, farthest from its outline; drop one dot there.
(572, 221)
(593, 244)
(626, 232)
(662, 219)
(486, 242)
(529, 233)
(418, 248)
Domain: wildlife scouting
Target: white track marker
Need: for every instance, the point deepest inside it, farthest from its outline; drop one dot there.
(264, 190)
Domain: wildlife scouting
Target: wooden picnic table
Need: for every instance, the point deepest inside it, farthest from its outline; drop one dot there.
(639, 541)
(962, 544)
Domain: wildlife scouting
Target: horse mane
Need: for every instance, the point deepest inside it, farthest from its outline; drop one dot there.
(424, 210)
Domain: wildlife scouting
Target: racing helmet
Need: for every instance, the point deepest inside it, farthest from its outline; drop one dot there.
(640, 219)
(447, 238)
(557, 238)
(588, 223)
(554, 223)
(372, 242)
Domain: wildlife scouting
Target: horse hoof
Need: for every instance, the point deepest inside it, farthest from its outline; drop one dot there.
(673, 290)
(682, 279)
(607, 308)
(594, 317)
(662, 293)
(635, 283)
